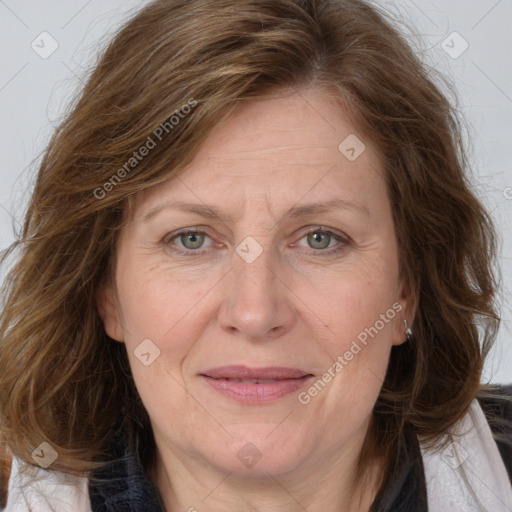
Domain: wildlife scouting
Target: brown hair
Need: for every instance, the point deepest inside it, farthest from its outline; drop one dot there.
(65, 382)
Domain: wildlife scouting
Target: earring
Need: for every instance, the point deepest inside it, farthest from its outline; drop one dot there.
(408, 331)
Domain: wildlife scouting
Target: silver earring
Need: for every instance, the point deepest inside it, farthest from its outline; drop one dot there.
(408, 331)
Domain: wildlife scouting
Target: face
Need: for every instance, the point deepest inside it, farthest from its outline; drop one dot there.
(293, 282)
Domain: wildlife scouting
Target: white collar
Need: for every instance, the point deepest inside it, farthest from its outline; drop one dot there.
(35, 489)
(471, 455)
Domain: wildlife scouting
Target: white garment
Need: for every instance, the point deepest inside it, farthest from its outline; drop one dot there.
(41, 490)
(474, 454)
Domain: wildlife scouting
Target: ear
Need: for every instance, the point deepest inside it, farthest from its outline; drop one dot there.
(109, 312)
(405, 307)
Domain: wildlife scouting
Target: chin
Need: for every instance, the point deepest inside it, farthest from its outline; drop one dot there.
(259, 450)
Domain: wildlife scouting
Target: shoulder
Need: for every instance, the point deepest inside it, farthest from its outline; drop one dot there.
(119, 484)
(35, 489)
(496, 404)
(465, 470)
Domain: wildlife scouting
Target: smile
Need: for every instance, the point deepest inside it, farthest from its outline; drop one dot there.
(254, 386)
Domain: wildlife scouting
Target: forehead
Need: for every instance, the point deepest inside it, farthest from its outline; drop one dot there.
(278, 150)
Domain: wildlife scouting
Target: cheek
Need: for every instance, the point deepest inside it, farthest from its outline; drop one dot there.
(357, 303)
(361, 336)
(164, 311)
(360, 311)
(158, 306)
(364, 312)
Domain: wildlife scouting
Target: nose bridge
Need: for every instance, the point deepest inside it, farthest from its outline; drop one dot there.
(254, 270)
(256, 302)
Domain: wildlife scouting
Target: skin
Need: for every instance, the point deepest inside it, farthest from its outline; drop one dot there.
(294, 306)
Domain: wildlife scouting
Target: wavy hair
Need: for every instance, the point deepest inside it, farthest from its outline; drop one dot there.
(64, 381)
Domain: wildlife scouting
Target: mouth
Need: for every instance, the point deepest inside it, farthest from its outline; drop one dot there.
(255, 385)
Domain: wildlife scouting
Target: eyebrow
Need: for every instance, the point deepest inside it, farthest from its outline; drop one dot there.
(212, 212)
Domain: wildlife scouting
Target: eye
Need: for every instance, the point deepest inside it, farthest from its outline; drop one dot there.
(321, 239)
(192, 240)
(189, 242)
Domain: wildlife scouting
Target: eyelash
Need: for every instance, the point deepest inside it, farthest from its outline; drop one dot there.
(196, 252)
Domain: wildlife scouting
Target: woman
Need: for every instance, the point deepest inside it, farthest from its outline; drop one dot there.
(253, 276)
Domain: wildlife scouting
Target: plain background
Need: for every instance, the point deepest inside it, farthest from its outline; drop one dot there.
(469, 41)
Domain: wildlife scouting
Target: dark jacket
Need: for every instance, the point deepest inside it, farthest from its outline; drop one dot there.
(122, 486)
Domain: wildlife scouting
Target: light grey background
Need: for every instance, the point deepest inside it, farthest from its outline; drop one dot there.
(470, 41)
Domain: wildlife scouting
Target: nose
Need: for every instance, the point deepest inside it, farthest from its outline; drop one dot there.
(257, 303)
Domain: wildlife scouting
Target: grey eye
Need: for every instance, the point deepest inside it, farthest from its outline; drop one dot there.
(319, 240)
(192, 240)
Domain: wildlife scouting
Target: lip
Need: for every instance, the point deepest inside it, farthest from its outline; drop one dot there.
(244, 372)
(231, 381)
